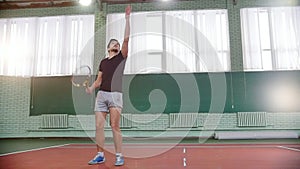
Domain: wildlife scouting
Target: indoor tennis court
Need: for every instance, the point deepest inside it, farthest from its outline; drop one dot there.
(210, 84)
(250, 154)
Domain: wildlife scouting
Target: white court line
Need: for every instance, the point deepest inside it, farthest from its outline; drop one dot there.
(36, 149)
(184, 162)
(207, 146)
(288, 148)
(175, 146)
(184, 159)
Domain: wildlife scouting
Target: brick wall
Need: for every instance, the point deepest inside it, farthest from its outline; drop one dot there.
(14, 104)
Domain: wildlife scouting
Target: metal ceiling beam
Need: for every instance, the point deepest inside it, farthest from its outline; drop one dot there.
(36, 4)
(20, 4)
(134, 1)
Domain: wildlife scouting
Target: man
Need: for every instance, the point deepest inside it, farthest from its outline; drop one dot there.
(109, 97)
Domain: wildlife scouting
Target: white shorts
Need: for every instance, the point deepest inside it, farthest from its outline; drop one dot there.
(105, 100)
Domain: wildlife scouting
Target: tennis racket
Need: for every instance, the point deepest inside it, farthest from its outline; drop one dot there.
(81, 76)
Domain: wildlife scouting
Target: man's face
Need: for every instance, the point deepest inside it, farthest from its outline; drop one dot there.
(114, 46)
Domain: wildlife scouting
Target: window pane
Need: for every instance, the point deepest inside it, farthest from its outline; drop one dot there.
(275, 44)
(267, 60)
(154, 64)
(154, 31)
(46, 46)
(186, 41)
(264, 29)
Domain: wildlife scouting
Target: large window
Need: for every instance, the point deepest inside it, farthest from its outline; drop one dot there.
(174, 41)
(271, 38)
(45, 46)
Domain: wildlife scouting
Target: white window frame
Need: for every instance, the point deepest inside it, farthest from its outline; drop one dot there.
(261, 33)
(46, 46)
(197, 62)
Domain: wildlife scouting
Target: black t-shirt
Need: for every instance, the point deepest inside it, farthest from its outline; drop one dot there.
(112, 73)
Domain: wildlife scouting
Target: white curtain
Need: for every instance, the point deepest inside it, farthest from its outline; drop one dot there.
(199, 41)
(271, 38)
(139, 46)
(251, 39)
(174, 41)
(181, 55)
(46, 46)
(17, 46)
(285, 24)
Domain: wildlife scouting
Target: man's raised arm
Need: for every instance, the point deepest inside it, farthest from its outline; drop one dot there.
(127, 32)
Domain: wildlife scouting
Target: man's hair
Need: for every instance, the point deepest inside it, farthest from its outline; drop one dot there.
(111, 40)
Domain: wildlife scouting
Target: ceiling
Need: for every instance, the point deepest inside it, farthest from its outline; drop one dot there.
(19, 4)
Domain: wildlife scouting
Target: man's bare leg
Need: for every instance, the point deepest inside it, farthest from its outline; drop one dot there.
(100, 136)
(115, 114)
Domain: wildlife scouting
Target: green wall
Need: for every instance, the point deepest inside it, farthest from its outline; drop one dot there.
(172, 93)
(213, 92)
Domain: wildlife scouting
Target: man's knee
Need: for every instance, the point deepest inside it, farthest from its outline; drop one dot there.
(114, 125)
(100, 126)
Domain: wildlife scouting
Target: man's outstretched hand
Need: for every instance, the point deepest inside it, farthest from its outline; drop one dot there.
(128, 11)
